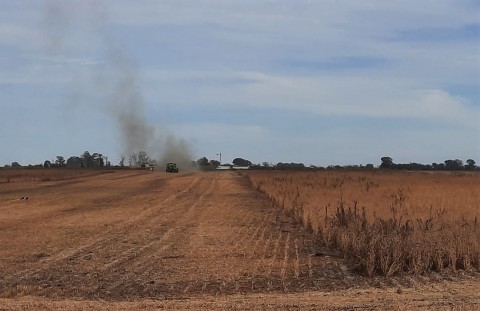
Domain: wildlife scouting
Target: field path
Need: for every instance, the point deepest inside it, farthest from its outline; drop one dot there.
(148, 236)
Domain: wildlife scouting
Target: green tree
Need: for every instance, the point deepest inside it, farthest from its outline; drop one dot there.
(241, 162)
(60, 162)
(87, 160)
(97, 160)
(74, 161)
(387, 162)
(470, 164)
(453, 164)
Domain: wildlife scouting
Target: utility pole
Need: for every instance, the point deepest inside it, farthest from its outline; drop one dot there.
(220, 154)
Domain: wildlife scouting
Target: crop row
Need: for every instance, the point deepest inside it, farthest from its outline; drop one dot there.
(385, 223)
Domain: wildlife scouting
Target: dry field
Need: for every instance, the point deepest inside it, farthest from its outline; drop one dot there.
(386, 222)
(129, 240)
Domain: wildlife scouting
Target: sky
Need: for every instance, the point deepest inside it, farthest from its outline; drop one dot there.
(327, 82)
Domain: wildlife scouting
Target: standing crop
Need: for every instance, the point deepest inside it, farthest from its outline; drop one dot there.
(385, 222)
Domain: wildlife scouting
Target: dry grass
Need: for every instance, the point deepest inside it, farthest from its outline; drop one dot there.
(386, 222)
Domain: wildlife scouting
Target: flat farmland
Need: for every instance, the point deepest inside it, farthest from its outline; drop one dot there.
(128, 240)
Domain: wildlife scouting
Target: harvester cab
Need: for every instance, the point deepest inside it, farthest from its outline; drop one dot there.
(171, 168)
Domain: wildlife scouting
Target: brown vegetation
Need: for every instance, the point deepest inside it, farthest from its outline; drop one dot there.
(385, 222)
(130, 239)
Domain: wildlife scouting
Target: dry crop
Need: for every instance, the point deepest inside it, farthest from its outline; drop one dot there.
(386, 222)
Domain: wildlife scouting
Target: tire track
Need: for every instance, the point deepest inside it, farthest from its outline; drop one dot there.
(71, 257)
(149, 256)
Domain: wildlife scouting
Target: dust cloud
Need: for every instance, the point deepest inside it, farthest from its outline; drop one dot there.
(115, 79)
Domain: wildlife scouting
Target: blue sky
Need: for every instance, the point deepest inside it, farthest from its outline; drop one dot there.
(318, 82)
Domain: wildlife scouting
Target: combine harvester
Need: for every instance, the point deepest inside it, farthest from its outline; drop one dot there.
(171, 168)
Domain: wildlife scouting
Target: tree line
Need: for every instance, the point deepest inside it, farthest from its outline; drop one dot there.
(386, 163)
(85, 160)
(447, 165)
(98, 160)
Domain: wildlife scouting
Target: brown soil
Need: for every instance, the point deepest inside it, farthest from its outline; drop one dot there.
(138, 239)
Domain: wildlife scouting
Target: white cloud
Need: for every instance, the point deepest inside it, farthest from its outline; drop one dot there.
(326, 95)
(437, 104)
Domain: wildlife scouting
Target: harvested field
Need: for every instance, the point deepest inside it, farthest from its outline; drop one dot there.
(125, 240)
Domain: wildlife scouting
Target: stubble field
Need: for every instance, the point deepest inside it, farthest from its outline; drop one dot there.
(128, 240)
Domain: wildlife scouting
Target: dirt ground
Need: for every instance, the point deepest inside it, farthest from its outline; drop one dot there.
(128, 240)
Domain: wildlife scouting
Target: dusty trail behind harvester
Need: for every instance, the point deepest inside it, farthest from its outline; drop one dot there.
(127, 236)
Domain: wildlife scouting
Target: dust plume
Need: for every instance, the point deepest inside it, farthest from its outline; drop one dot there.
(116, 79)
(127, 107)
(176, 150)
(125, 102)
